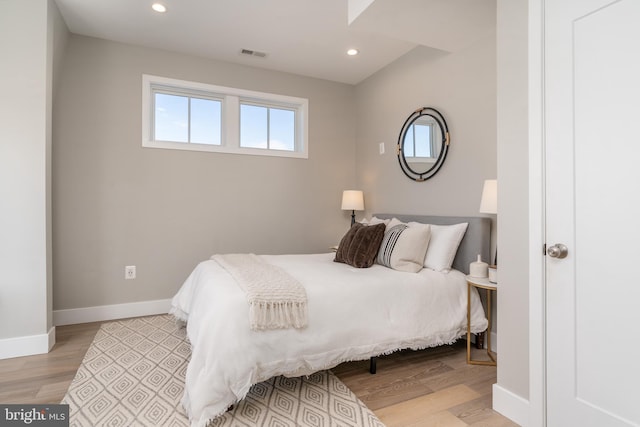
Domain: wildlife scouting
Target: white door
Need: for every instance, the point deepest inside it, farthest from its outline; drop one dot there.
(592, 157)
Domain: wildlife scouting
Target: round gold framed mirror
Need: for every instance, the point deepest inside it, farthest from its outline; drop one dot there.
(423, 144)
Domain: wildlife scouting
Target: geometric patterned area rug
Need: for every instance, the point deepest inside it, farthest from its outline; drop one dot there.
(133, 375)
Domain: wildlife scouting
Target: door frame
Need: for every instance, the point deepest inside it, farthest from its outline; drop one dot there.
(537, 285)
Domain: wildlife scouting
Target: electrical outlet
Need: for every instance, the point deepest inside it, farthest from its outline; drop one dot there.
(381, 148)
(130, 272)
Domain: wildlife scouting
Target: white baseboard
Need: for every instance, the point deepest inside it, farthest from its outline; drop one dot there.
(42, 343)
(27, 345)
(110, 312)
(51, 338)
(511, 405)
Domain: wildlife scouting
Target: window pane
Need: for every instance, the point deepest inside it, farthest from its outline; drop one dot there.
(205, 121)
(423, 140)
(171, 118)
(408, 142)
(282, 125)
(253, 126)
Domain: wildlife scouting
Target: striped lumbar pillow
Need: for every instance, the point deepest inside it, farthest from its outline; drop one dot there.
(404, 246)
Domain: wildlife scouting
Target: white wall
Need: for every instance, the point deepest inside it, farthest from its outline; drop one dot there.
(511, 393)
(27, 34)
(116, 203)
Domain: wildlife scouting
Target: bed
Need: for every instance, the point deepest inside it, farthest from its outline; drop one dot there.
(352, 314)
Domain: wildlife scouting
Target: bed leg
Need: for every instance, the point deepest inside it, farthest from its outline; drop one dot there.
(480, 340)
(372, 365)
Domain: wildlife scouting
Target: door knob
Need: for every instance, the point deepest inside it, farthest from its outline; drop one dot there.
(558, 251)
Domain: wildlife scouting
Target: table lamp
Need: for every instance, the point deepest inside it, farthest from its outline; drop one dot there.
(352, 200)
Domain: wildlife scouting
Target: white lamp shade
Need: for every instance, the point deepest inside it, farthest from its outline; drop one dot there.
(352, 200)
(489, 202)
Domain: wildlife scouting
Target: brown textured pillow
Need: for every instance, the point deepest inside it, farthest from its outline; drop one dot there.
(364, 245)
(343, 247)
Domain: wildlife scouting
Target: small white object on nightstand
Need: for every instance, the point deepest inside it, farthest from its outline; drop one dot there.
(478, 268)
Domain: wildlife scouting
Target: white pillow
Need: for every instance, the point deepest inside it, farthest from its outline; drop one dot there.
(375, 220)
(393, 222)
(443, 246)
(404, 246)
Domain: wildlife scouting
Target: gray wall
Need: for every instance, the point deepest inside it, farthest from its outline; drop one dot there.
(462, 86)
(116, 203)
(27, 33)
(513, 195)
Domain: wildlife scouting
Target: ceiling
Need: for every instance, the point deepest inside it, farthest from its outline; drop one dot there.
(306, 37)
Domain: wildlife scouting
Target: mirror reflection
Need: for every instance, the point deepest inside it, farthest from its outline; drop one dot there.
(423, 144)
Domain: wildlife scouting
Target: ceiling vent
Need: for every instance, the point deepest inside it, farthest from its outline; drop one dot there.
(250, 52)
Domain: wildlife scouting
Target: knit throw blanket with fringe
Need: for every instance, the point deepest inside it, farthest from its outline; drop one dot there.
(276, 300)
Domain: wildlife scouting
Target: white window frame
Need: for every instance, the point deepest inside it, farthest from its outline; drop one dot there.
(230, 126)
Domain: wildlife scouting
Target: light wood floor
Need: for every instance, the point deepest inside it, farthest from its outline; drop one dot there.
(433, 387)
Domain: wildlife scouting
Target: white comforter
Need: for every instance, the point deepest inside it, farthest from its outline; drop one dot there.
(353, 314)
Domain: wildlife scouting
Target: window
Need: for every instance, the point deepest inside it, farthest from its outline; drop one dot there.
(182, 118)
(267, 127)
(199, 117)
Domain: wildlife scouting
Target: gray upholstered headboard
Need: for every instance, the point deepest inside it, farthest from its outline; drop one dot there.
(477, 239)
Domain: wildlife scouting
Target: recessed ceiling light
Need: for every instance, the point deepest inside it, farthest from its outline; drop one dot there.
(353, 52)
(159, 7)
